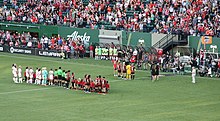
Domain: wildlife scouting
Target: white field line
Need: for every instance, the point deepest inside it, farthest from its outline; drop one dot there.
(19, 91)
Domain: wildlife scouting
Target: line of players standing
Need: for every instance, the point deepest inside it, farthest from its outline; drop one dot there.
(125, 70)
(60, 77)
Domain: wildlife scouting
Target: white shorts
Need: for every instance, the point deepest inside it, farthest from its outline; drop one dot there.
(31, 76)
(19, 75)
(15, 75)
(51, 77)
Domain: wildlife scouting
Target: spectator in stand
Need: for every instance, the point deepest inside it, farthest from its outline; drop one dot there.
(194, 17)
(91, 49)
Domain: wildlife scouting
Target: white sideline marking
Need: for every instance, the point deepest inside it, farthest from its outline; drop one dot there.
(2, 93)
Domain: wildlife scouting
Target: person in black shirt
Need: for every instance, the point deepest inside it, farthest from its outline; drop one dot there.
(153, 73)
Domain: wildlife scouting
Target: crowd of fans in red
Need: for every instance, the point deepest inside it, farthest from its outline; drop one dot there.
(193, 17)
(70, 46)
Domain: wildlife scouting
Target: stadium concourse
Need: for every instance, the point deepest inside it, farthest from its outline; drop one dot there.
(192, 17)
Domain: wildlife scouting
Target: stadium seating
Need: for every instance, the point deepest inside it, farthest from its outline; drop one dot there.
(194, 17)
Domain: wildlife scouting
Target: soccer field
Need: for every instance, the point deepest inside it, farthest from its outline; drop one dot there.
(172, 98)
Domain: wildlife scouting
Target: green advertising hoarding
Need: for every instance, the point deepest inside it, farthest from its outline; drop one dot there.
(86, 35)
(137, 38)
(196, 43)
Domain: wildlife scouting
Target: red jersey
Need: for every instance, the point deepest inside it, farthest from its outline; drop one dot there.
(92, 84)
(67, 76)
(132, 68)
(124, 68)
(107, 85)
(114, 64)
(119, 66)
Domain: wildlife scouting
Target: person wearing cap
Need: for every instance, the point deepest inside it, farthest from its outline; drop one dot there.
(193, 75)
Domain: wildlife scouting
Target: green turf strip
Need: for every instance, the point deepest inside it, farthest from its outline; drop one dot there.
(172, 98)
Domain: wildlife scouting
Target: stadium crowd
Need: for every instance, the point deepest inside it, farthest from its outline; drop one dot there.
(59, 77)
(69, 46)
(192, 17)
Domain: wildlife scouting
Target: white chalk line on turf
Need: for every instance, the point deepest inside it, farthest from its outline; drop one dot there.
(19, 91)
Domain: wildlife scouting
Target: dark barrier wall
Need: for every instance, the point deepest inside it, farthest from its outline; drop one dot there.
(19, 50)
(194, 43)
(30, 51)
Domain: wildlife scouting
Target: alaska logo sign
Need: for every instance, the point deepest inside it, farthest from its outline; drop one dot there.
(84, 37)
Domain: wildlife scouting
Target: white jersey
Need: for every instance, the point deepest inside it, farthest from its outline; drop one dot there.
(12, 69)
(31, 73)
(27, 73)
(19, 72)
(51, 75)
(38, 75)
(15, 72)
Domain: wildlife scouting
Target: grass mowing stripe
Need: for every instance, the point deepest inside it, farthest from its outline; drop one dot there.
(50, 60)
(46, 59)
(37, 89)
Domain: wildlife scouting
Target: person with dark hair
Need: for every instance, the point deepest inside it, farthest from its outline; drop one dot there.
(87, 84)
(63, 80)
(51, 77)
(67, 79)
(153, 73)
(133, 71)
(55, 77)
(157, 71)
(59, 73)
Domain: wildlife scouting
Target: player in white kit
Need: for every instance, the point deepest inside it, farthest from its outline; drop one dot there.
(12, 71)
(27, 75)
(38, 76)
(51, 77)
(193, 75)
(35, 81)
(15, 73)
(31, 74)
(20, 74)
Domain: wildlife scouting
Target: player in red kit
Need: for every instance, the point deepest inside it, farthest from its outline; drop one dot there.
(124, 70)
(92, 86)
(107, 86)
(119, 69)
(114, 67)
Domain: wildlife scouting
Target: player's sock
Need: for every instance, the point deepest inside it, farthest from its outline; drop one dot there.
(16, 80)
(20, 80)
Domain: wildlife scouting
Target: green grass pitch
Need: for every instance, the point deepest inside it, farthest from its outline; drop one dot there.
(172, 98)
